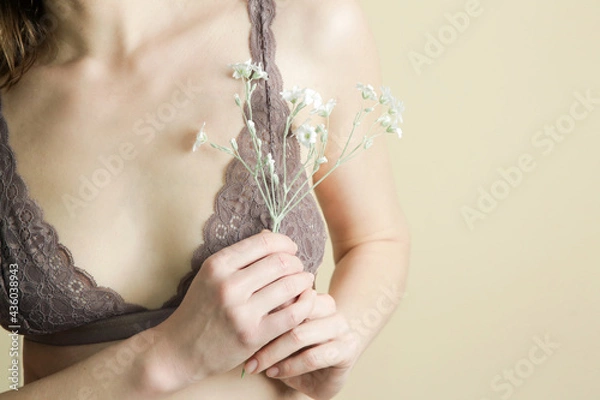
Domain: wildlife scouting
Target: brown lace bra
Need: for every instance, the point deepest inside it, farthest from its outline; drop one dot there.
(47, 298)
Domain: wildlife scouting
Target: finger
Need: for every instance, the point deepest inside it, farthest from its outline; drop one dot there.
(324, 306)
(280, 291)
(266, 271)
(250, 250)
(326, 355)
(309, 333)
(276, 324)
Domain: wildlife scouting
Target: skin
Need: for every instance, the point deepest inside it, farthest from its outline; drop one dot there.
(87, 99)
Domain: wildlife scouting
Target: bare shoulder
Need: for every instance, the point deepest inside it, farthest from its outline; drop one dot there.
(328, 38)
(323, 24)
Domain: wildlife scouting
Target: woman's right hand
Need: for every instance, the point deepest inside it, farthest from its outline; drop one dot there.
(231, 308)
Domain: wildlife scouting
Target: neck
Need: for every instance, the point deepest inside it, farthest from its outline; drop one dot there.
(112, 28)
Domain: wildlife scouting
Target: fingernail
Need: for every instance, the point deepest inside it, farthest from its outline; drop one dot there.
(273, 372)
(251, 366)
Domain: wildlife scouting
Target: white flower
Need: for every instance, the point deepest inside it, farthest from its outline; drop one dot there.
(305, 96)
(368, 91)
(293, 95)
(323, 131)
(201, 138)
(247, 70)
(324, 110)
(251, 126)
(259, 72)
(386, 96)
(322, 160)
(306, 135)
(393, 117)
(312, 97)
(395, 129)
(385, 120)
(396, 109)
(242, 70)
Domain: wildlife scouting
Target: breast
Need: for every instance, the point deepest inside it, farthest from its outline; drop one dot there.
(154, 225)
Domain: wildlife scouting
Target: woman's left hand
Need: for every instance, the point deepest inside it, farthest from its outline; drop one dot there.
(314, 358)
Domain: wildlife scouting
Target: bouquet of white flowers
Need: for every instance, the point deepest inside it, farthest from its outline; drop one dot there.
(277, 192)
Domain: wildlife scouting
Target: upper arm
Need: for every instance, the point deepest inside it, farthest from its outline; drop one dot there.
(359, 199)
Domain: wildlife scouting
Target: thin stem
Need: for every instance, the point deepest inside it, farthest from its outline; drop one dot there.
(287, 207)
(288, 123)
(303, 167)
(255, 177)
(269, 198)
(285, 133)
(338, 163)
(356, 123)
(273, 191)
(291, 207)
(248, 98)
(276, 224)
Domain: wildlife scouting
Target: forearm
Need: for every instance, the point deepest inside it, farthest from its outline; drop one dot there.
(126, 370)
(368, 284)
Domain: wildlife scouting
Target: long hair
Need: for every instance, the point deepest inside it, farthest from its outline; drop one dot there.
(24, 28)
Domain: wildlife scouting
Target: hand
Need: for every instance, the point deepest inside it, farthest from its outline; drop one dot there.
(228, 311)
(314, 357)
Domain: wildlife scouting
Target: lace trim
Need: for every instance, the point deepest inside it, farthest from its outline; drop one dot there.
(46, 269)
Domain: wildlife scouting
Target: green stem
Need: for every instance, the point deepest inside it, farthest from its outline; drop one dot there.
(276, 223)
(288, 123)
(303, 167)
(289, 208)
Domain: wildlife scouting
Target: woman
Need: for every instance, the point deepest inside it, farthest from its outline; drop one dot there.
(101, 101)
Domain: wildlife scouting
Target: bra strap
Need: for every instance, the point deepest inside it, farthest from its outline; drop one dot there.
(269, 108)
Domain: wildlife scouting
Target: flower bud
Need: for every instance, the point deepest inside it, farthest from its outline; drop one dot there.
(251, 127)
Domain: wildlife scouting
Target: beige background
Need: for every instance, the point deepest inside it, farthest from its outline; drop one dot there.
(481, 296)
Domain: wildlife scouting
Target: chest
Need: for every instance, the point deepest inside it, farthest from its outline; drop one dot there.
(108, 159)
(118, 180)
